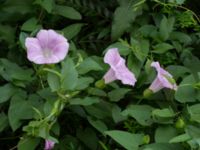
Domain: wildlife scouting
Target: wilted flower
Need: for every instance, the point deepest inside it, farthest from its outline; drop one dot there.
(163, 79)
(48, 47)
(118, 69)
(49, 145)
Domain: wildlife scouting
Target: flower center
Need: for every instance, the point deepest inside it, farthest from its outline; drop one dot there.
(47, 52)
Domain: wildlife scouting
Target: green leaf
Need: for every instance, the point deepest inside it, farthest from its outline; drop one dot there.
(87, 65)
(84, 82)
(142, 113)
(162, 48)
(85, 102)
(6, 92)
(181, 37)
(166, 27)
(88, 137)
(123, 49)
(16, 115)
(123, 18)
(117, 114)
(98, 124)
(46, 4)
(117, 94)
(3, 121)
(69, 75)
(163, 115)
(28, 143)
(30, 25)
(168, 132)
(162, 146)
(194, 112)
(72, 30)
(186, 91)
(67, 12)
(11, 71)
(180, 138)
(96, 92)
(127, 140)
(53, 81)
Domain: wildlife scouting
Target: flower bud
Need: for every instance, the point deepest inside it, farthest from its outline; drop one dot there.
(146, 139)
(100, 84)
(180, 123)
(147, 93)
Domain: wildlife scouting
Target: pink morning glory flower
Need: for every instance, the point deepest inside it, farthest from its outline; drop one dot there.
(163, 79)
(48, 47)
(49, 145)
(118, 69)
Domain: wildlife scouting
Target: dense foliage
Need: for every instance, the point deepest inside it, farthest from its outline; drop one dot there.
(69, 103)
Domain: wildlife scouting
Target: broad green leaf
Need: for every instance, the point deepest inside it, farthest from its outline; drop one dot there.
(186, 91)
(180, 138)
(122, 48)
(28, 143)
(72, 30)
(3, 121)
(84, 82)
(6, 92)
(142, 113)
(87, 65)
(96, 92)
(53, 81)
(166, 27)
(69, 75)
(117, 114)
(85, 102)
(67, 12)
(194, 112)
(128, 140)
(181, 37)
(16, 115)
(98, 124)
(123, 17)
(162, 48)
(46, 4)
(117, 94)
(177, 71)
(162, 146)
(168, 131)
(30, 25)
(7, 33)
(163, 115)
(11, 71)
(147, 30)
(88, 137)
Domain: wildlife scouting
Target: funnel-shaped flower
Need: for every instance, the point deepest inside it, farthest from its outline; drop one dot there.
(163, 79)
(48, 47)
(118, 69)
(49, 145)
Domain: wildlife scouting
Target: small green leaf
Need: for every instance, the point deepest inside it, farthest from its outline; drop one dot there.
(117, 94)
(142, 113)
(53, 81)
(127, 140)
(28, 143)
(87, 65)
(85, 102)
(46, 4)
(3, 121)
(67, 12)
(98, 124)
(194, 112)
(6, 92)
(180, 138)
(69, 75)
(162, 48)
(72, 30)
(30, 25)
(84, 82)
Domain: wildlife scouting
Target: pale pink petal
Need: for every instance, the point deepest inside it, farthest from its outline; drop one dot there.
(162, 79)
(49, 145)
(124, 74)
(112, 57)
(118, 68)
(47, 48)
(109, 76)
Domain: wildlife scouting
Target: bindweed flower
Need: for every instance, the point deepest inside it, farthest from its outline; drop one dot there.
(163, 79)
(48, 47)
(118, 69)
(49, 145)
